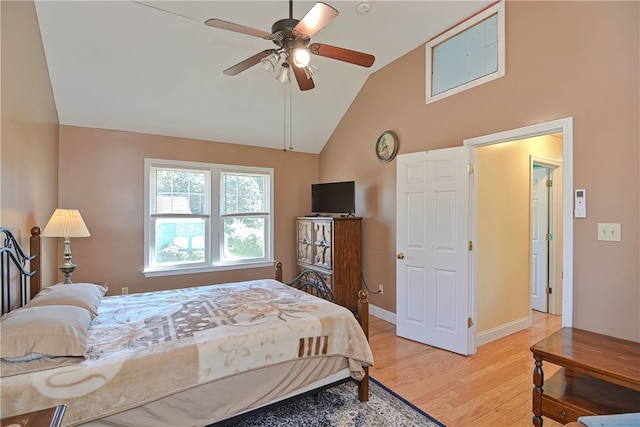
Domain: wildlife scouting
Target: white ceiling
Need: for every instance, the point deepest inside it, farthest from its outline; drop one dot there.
(127, 65)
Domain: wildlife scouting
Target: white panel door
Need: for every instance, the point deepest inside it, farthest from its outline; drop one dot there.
(539, 242)
(432, 232)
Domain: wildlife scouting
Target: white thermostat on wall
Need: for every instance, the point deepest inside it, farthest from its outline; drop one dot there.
(580, 209)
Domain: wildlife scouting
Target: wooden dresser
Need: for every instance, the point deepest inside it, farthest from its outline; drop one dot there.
(600, 375)
(332, 246)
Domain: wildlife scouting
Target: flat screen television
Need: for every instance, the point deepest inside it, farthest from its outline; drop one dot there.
(333, 198)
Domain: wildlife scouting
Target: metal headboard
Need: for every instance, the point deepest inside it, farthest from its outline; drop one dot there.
(13, 263)
(311, 282)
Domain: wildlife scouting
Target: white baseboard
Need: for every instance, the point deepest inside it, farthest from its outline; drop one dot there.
(502, 331)
(381, 313)
(482, 338)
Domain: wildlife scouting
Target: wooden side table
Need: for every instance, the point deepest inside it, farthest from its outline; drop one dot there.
(49, 417)
(600, 375)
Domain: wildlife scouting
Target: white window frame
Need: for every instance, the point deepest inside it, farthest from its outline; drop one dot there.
(497, 9)
(213, 221)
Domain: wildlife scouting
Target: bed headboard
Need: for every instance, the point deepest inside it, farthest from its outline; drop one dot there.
(16, 275)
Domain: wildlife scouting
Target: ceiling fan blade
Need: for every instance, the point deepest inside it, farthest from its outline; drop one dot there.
(341, 54)
(317, 17)
(304, 82)
(224, 25)
(247, 63)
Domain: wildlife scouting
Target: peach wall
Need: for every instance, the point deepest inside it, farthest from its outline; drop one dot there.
(102, 172)
(564, 59)
(504, 231)
(29, 137)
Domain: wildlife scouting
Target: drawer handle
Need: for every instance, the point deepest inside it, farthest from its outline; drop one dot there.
(563, 415)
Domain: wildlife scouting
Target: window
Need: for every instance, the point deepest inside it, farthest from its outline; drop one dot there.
(206, 217)
(468, 55)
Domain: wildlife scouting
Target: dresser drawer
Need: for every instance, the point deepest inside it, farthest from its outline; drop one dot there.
(559, 411)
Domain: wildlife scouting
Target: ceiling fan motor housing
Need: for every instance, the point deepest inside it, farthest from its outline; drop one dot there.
(285, 38)
(283, 30)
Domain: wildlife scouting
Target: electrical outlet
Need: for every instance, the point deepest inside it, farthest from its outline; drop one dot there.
(125, 290)
(380, 289)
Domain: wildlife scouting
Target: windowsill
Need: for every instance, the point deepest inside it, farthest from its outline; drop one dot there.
(211, 269)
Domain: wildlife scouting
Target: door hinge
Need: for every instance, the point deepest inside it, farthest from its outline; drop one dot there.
(549, 237)
(470, 169)
(549, 183)
(549, 290)
(469, 323)
(470, 245)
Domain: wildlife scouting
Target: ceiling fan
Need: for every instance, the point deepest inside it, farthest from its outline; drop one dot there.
(292, 37)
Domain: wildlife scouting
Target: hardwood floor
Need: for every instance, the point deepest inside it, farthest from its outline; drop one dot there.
(489, 388)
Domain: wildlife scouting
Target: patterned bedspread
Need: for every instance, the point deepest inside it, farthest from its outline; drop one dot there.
(150, 345)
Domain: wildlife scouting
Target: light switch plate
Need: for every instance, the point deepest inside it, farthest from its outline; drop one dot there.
(609, 232)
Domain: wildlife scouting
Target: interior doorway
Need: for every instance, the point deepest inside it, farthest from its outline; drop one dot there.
(563, 128)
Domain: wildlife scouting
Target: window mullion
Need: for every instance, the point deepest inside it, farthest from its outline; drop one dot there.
(214, 210)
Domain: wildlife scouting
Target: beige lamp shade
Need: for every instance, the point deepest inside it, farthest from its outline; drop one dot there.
(66, 223)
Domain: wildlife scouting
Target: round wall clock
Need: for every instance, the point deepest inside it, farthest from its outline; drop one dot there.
(387, 146)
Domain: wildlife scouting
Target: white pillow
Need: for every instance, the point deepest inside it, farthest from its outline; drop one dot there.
(85, 295)
(54, 330)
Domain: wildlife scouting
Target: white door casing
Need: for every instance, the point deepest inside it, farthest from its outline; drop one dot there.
(432, 236)
(565, 126)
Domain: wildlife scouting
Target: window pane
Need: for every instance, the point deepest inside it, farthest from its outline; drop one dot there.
(179, 240)
(243, 238)
(243, 193)
(179, 191)
(466, 56)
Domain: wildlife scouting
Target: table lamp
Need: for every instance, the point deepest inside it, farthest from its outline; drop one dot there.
(66, 223)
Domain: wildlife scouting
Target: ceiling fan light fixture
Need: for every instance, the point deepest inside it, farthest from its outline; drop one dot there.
(310, 70)
(283, 76)
(270, 62)
(301, 57)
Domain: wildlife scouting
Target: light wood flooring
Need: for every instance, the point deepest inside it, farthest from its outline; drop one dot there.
(491, 388)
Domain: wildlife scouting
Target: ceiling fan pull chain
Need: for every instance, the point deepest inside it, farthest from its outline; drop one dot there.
(284, 118)
(290, 118)
(287, 131)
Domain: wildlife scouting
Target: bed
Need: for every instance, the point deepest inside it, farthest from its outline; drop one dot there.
(186, 357)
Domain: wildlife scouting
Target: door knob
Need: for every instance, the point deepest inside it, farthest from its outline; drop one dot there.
(400, 256)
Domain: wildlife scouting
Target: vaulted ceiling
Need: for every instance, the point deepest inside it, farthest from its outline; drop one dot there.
(154, 67)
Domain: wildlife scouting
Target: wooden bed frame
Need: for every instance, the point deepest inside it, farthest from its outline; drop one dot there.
(12, 254)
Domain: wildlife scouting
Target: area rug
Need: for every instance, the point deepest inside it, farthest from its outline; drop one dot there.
(339, 406)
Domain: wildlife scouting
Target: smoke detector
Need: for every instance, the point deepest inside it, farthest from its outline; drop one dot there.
(363, 7)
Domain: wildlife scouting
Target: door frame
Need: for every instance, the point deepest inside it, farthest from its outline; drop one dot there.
(555, 281)
(564, 125)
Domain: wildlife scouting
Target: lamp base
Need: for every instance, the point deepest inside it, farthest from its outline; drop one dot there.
(67, 269)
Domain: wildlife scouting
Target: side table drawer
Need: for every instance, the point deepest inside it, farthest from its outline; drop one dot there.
(558, 411)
